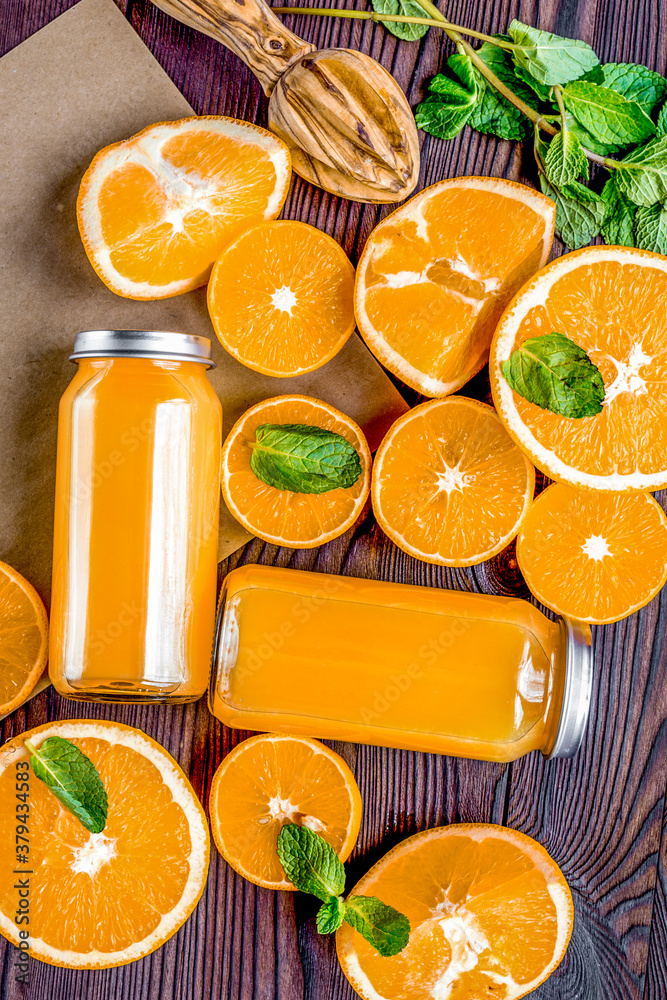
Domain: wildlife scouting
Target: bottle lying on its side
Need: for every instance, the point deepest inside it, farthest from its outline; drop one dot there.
(470, 675)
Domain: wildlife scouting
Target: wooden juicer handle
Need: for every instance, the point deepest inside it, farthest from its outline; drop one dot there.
(248, 28)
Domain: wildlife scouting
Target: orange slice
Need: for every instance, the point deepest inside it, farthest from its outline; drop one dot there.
(155, 211)
(449, 484)
(101, 899)
(300, 520)
(490, 914)
(593, 556)
(436, 275)
(24, 638)
(280, 298)
(268, 781)
(607, 300)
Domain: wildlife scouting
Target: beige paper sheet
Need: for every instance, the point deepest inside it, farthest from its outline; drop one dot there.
(84, 81)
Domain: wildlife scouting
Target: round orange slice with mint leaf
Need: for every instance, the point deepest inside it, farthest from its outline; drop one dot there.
(609, 304)
(296, 471)
(111, 892)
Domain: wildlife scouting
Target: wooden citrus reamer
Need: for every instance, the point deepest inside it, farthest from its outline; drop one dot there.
(345, 119)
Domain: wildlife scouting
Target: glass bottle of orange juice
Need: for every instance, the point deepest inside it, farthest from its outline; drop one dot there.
(136, 520)
(469, 675)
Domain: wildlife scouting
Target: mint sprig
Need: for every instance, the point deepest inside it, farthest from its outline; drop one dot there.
(312, 865)
(530, 79)
(303, 459)
(73, 779)
(556, 374)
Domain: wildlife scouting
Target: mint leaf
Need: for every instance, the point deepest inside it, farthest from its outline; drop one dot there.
(595, 75)
(303, 459)
(608, 116)
(642, 175)
(556, 374)
(73, 779)
(330, 915)
(549, 58)
(452, 99)
(541, 90)
(579, 212)
(492, 112)
(407, 8)
(587, 140)
(381, 925)
(636, 83)
(310, 862)
(312, 865)
(651, 228)
(618, 227)
(565, 160)
(661, 123)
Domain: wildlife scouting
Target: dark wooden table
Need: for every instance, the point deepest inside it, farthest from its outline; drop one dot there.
(602, 816)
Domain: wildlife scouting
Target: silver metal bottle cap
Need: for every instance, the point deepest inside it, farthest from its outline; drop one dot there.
(160, 345)
(576, 690)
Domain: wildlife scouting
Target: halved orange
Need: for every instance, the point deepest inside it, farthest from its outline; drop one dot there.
(24, 638)
(490, 914)
(268, 781)
(437, 273)
(101, 899)
(280, 298)
(593, 556)
(609, 301)
(156, 210)
(449, 484)
(300, 520)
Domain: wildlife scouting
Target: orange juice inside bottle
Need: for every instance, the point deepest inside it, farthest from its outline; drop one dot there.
(136, 529)
(420, 668)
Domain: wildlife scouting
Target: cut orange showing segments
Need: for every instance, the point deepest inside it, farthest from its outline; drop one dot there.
(490, 915)
(593, 556)
(155, 211)
(268, 781)
(436, 275)
(24, 636)
(299, 520)
(280, 298)
(102, 899)
(449, 484)
(606, 300)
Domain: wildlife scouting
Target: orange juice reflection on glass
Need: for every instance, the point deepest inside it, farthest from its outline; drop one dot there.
(136, 520)
(421, 668)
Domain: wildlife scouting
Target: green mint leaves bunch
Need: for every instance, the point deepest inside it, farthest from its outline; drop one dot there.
(312, 865)
(533, 83)
(303, 458)
(73, 779)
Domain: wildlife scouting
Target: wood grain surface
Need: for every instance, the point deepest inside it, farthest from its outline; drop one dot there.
(603, 815)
